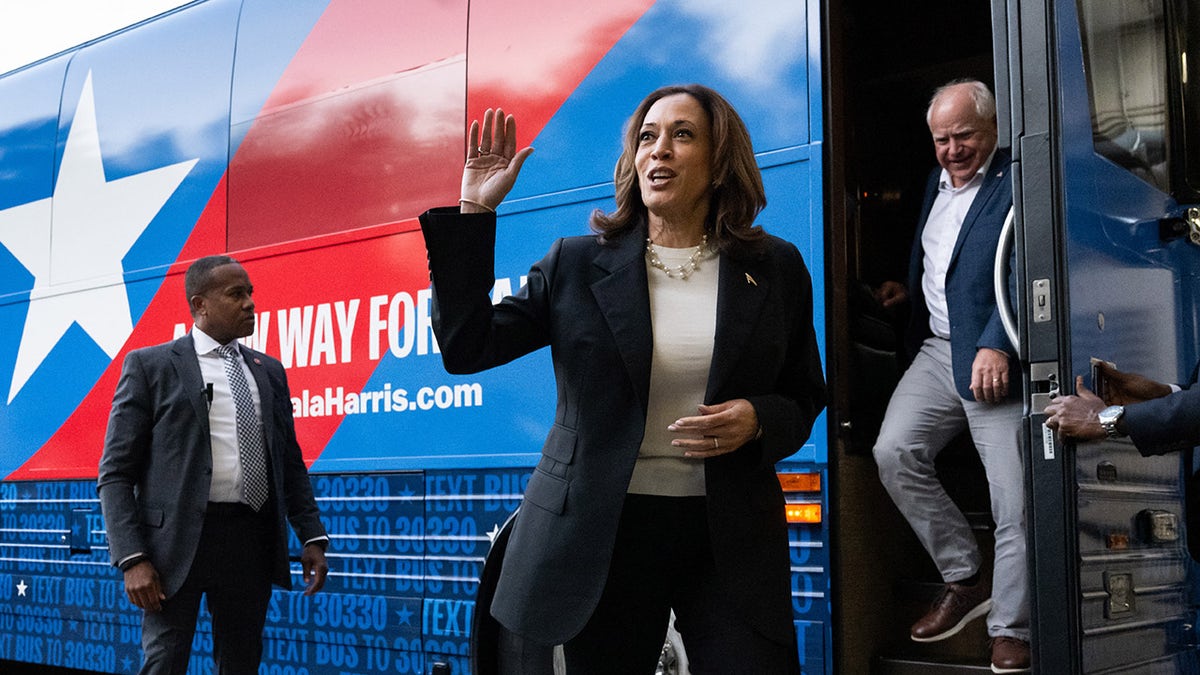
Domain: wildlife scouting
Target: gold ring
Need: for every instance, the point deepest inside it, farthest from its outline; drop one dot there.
(716, 443)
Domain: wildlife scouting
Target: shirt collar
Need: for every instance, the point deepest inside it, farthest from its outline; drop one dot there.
(946, 185)
(205, 344)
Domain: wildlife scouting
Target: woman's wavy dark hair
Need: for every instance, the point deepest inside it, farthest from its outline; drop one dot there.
(737, 196)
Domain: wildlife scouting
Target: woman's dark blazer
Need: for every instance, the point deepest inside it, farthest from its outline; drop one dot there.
(589, 302)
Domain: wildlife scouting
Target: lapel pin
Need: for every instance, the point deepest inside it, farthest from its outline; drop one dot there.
(750, 279)
(257, 361)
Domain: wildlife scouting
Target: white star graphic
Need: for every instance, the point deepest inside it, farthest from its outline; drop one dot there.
(21, 589)
(73, 243)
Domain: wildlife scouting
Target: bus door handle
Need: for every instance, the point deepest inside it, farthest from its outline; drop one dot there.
(1000, 279)
(1043, 377)
(1040, 296)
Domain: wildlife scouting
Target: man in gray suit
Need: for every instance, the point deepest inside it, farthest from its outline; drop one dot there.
(199, 471)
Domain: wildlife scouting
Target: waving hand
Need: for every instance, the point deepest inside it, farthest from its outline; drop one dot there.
(492, 162)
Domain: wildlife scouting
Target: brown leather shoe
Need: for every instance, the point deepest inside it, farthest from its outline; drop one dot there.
(955, 607)
(1010, 655)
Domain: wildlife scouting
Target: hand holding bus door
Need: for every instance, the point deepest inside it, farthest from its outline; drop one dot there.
(1078, 416)
(1118, 388)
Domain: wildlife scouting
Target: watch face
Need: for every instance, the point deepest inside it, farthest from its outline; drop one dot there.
(1108, 419)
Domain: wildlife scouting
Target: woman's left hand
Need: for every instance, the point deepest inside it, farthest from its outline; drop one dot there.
(493, 161)
(723, 427)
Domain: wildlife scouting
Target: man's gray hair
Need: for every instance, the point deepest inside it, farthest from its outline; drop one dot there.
(985, 103)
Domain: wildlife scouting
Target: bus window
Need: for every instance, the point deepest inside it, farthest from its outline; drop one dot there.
(28, 131)
(1127, 83)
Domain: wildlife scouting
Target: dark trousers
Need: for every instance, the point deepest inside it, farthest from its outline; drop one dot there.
(232, 567)
(662, 561)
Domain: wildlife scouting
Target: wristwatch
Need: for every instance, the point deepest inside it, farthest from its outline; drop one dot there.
(1109, 418)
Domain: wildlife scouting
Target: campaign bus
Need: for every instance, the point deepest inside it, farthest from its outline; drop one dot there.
(305, 137)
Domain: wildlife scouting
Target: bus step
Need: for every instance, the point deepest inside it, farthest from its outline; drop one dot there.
(970, 647)
(915, 666)
(981, 522)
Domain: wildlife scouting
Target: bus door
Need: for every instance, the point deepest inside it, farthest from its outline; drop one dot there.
(1094, 101)
(884, 61)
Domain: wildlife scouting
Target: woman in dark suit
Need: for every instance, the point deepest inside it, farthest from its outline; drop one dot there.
(686, 366)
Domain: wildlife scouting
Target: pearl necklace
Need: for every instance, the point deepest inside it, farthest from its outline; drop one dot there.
(683, 271)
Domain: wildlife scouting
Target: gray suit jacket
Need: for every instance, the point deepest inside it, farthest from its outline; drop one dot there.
(589, 303)
(156, 467)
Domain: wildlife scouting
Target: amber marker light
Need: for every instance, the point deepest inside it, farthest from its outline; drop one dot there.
(800, 482)
(806, 513)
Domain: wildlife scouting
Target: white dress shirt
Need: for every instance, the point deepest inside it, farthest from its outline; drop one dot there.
(222, 418)
(945, 219)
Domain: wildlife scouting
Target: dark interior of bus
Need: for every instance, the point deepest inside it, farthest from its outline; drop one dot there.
(884, 61)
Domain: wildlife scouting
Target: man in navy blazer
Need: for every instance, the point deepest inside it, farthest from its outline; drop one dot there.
(960, 380)
(176, 477)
